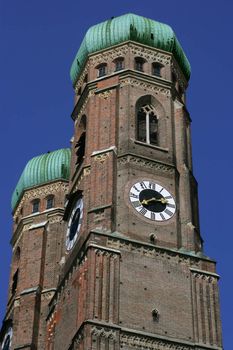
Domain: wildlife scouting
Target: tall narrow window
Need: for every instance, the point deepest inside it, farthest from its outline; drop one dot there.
(50, 202)
(157, 69)
(81, 141)
(35, 206)
(174, 79)
(119, 64)
(147, 125)
(80, 146)
(102, 70)
(15, 282)
(139, 63)
(7, 343)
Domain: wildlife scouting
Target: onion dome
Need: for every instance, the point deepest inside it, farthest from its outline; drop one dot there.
(129, 27)
(42, 169)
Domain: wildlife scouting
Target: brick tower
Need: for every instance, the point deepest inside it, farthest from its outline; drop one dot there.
(113, 259)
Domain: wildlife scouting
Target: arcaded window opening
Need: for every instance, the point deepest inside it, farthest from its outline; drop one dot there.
(80, 145)
(119, 64)
(139, 64)
(102, 70)
(50, 202)
(147, 125)
(35, 206)
(157, 69)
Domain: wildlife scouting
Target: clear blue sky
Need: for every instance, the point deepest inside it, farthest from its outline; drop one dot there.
(38, 42)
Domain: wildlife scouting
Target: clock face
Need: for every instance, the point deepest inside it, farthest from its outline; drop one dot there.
(74, 224)
(152, 201)
(7, 340)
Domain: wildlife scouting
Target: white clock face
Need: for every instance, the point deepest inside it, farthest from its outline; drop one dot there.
(6, 344)
(152, 201)
(74, 224)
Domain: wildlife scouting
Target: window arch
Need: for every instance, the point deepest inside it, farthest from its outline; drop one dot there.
(119, 63)
(157, 69)
(35, 206)
(139, 64)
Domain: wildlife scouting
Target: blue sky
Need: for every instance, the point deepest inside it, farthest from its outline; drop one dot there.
(39, 40)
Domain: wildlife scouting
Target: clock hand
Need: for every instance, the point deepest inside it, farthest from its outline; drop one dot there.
(162, 200)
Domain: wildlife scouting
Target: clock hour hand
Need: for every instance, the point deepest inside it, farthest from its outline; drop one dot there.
(147, 201)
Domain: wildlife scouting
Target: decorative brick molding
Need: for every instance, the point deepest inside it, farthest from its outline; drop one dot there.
(102, 332)
(145, 163)
(42, 191)
(145, 85)
(81, 78)
(109, 55)
(150, 55)
(147, 343)
(105, 94)
(152, 252)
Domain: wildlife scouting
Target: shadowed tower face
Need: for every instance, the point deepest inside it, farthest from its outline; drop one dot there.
(123, 267)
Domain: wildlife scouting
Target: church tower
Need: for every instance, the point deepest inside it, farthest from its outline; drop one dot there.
(116, 261)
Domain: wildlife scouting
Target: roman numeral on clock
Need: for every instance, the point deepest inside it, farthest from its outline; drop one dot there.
(168, 212)
(143, 211)
(133, 195)
(168, 197)
(152, 215)
(136, 204)
(162, 216)
(143, 186)
(152, 186)
(170, 205)
(136, 189)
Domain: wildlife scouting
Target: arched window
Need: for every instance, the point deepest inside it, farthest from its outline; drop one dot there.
(15, 281)
(81, 143)
(157, 69)
(102, 69)
(50, 202)
(7, 342)
(119, 64)
(147, 125)
(35, 205)
(139, 63)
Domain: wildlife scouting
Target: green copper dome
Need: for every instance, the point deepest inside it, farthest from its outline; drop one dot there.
(129, 27)
(44, 168)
